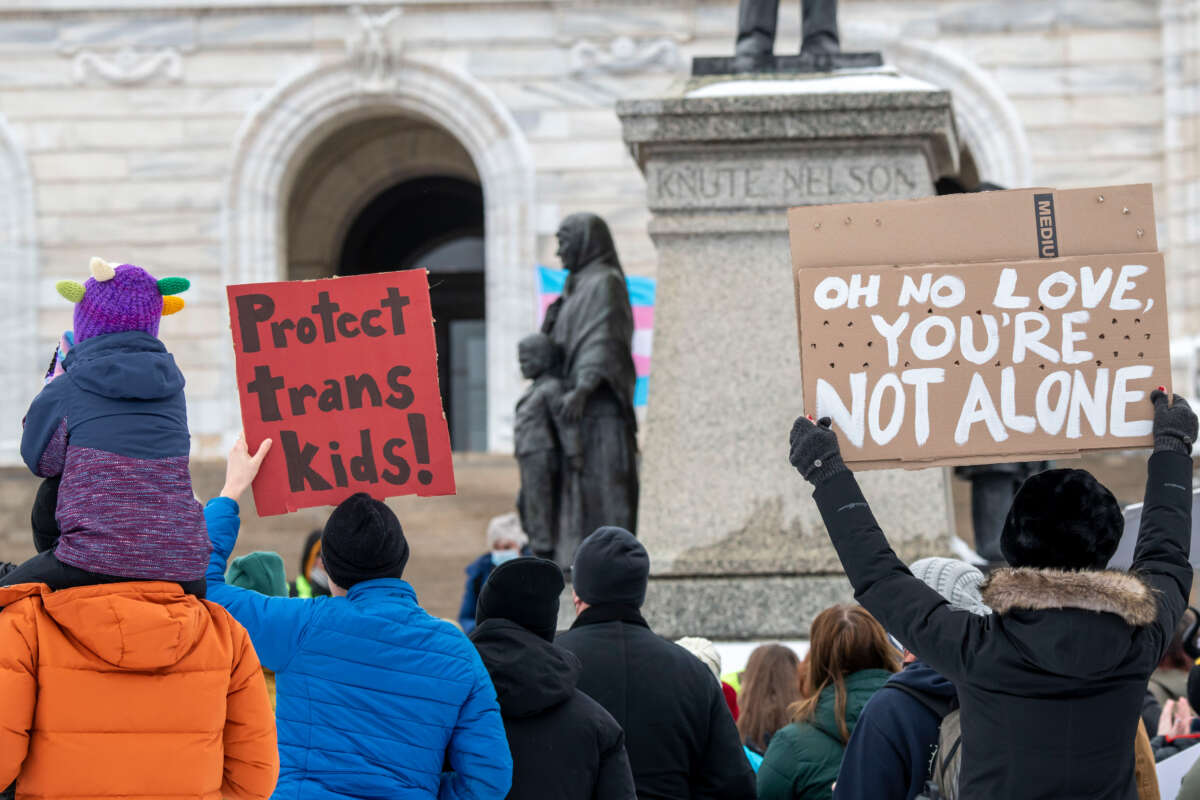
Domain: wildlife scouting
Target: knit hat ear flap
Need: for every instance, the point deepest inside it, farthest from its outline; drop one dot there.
(71, 290)
(172, 305)
(102, 270)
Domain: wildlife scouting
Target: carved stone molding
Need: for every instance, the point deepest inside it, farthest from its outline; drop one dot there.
(371, 51)
(623, 55)
(283, 131)
(128, 66)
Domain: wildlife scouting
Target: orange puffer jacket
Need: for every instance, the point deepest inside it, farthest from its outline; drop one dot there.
(131, 690)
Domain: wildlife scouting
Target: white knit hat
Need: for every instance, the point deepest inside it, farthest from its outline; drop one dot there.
(955, 580)
(506, 526)
(704, 650)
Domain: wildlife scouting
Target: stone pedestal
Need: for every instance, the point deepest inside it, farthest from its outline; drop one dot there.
(738, 550)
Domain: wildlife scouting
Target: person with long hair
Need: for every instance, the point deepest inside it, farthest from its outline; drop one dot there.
(770, 685)
(849, 659)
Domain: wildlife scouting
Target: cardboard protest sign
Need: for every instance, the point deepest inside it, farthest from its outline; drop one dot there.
(978, 328)
(342, 375)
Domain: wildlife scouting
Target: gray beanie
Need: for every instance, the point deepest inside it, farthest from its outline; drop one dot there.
(955, 580)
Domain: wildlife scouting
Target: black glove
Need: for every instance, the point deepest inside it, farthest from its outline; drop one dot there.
(1174, 424)
(815, 451)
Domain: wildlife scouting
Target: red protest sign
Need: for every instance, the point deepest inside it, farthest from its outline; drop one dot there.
(342, 375)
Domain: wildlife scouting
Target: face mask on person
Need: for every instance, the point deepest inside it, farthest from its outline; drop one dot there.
(318, 577)
(500, 556)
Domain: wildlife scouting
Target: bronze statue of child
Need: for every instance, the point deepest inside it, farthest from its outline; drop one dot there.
(544, 441)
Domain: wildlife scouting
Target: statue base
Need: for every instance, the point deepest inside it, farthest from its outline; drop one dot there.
(737, 547)
(771, 64)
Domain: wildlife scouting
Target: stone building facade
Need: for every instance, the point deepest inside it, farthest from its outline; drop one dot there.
(234, 141)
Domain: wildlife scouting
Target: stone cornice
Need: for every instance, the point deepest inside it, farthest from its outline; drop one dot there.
(43, 7)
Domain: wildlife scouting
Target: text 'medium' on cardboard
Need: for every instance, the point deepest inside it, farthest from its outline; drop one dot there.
(342, 375)
(976, 328)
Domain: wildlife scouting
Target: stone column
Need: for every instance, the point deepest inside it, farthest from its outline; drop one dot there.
(737, 548)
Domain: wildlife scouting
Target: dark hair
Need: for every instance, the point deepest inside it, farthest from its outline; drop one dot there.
(308, 556)
(844, 639)
(1176, 656)
(770, 685)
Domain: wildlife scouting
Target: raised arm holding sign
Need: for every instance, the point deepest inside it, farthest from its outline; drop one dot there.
(342, 375)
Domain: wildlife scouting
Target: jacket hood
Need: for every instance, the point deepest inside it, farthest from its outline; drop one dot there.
(925, 679)
(131, 365)
(1077, 624)
(530, 674)
(142, 625)
(1107, 591)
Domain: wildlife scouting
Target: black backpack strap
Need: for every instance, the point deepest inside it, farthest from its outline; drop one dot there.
(941, 706)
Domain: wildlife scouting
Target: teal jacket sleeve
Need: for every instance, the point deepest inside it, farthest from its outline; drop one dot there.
(478, 755)
(275, 624)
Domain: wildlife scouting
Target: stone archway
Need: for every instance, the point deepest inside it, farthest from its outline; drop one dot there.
(18, 292)
(287, 127)
(988, 123)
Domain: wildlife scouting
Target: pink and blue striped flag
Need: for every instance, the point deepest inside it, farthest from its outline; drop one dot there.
(641, 297)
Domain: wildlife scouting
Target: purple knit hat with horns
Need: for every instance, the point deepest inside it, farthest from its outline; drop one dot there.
(121, 298)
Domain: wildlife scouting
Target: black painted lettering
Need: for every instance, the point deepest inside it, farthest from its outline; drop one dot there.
(266, 386)
(391, 454)
(331, 397)
(297, 395)
(396, 302)
(325, 309)
(371, 328)
(299, 463)
(279, 331)
(306, 331)
(357, 385)
(251, 310)
(343, 326)
(339, 468)
(362, 467)
(402, 394)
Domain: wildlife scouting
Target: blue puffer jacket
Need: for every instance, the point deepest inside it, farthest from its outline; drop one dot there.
(373, 695)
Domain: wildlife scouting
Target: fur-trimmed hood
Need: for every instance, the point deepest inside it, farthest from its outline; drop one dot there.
(1104, 591)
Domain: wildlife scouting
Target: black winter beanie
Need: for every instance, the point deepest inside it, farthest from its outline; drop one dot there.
(43, 519)
(611, 566)
(1193, 687)
(363, 540)
(1063, 519)
(524, 591)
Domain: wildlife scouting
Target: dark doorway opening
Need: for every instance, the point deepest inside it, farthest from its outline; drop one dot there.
(436, 223)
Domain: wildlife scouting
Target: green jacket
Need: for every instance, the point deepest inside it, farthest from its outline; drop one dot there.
(802, 760)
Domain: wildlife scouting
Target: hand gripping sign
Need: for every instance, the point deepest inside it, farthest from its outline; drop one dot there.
(978, 328)
(342, 374)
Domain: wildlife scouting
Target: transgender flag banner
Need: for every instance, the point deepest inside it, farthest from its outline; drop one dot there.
(641, 297)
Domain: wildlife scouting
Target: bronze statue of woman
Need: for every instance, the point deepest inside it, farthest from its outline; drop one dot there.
(593, 324)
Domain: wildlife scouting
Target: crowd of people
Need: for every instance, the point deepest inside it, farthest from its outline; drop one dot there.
(139, 662)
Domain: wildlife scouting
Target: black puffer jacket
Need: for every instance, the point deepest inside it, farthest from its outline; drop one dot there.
(1051, 684)
(564, 744)
(681, 739)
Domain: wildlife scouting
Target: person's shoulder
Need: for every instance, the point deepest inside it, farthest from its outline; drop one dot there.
(585, 709)
(480, 565)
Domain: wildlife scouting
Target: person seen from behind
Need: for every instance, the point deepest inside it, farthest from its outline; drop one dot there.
(679, 734)
(849, 659)
(374, 697)
(564, 745)
(261, 572)
(312, 580)
(1050, 685)
(505, 541)
(893, 747)
(771, 685)
(132, 689)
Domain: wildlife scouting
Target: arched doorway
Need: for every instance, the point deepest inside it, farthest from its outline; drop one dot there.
(397, 192)
(436, 223)
(455, 127)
